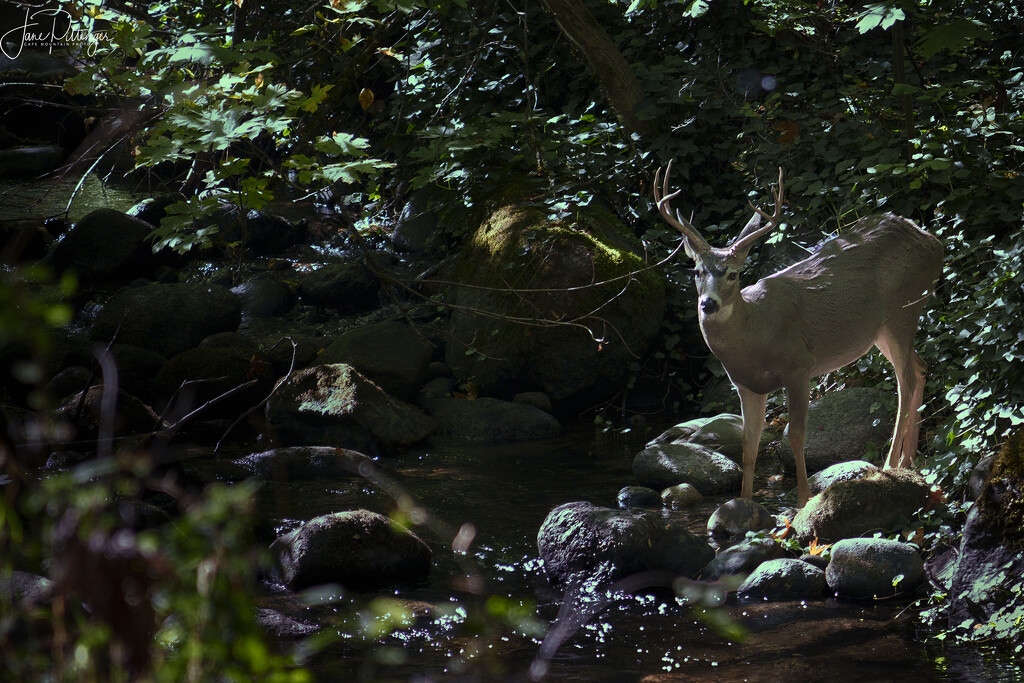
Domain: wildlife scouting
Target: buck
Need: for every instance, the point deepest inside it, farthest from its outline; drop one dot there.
(866, 287)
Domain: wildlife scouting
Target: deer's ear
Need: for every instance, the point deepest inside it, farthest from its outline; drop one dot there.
(690, 251)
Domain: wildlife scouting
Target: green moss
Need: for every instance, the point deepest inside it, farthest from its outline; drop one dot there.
(529, 274)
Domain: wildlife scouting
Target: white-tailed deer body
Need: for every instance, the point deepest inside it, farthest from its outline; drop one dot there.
(864, 288)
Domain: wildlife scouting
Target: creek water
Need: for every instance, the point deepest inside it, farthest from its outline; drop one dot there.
(468, 627)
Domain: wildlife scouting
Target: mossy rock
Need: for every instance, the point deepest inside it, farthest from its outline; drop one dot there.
(1001, 505)
(550, 305)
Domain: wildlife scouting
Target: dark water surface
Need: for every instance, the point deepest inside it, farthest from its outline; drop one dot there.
(468, 626)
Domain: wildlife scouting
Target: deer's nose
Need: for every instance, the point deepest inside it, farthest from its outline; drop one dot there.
(708, 306)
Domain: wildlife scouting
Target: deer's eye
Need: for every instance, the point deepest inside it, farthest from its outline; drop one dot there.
(731, 277)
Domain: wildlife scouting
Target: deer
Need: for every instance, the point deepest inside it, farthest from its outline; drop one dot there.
(864, 287)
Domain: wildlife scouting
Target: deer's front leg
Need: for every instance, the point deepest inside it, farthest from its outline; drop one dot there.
(797, 399)
(752, 405)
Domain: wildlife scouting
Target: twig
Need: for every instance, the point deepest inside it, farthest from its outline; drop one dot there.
(277, 385)
(230, 392)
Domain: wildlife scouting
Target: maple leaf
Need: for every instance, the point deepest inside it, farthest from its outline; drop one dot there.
(815, 549)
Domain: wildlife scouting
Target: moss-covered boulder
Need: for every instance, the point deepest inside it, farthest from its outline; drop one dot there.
(550, 305)
(884, 500)
(986, 585)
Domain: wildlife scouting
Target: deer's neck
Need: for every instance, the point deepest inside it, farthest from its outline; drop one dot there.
(738, 340)
(725, 330)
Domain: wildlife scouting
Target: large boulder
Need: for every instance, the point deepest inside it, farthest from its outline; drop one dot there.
(335, 405)
(167, 318)
(985, 583)
(663, 465)
(852, 424)
(394, 355)
(884, 501)
(358, 549)
(582, 542)
(105, 246)
(588, 310)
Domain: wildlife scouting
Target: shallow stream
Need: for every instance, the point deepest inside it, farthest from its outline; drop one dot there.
(468, 628)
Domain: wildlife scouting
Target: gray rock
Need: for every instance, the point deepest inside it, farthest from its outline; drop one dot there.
(358, 549)
(391, 354)
(680, 496)
(105, 246)
(23, 588)
(264, 297)
(580, 541)
(438, 387)
(348, 286)
(884, 501)
(638, 497)
(783, 579)
(742, 558)
(492, 420)
(873, 567)
(738, 516)
(537, 399)
(307, 463)
(335, 405)
(841, 471)
(986, 585)
(722, 433)
(844, 425)
(663, 465)
(167, 318)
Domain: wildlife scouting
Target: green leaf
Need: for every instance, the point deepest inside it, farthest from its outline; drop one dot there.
(953, 36)
(696, 9)
(878, 15)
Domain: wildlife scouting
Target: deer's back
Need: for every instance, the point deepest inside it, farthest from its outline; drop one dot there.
(885, 258)
(881, 268)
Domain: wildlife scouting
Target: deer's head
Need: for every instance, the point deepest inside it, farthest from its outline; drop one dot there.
(717, 271)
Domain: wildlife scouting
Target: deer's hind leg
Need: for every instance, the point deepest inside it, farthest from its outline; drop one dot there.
(896, 344)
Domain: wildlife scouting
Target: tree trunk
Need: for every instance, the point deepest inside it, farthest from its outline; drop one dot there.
(620, 85)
